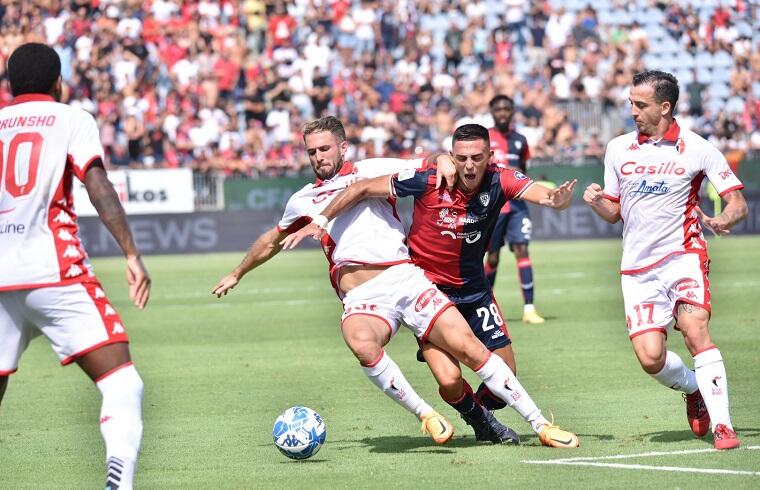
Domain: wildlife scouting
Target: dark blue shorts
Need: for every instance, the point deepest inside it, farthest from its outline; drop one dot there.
(512, 227)
(484, 316)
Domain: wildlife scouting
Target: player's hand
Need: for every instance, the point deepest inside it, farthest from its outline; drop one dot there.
(138, 280)
(560, 197)
(446, 172)
(593, 194)
(225, 284)
(312, 230)
(715, 225)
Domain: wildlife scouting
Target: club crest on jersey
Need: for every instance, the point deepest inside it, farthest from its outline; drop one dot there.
(484, 198)
(680, 146)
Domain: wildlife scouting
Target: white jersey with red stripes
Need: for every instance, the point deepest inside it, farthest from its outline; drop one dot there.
(657, 185)
(369, 232)
(43, 145)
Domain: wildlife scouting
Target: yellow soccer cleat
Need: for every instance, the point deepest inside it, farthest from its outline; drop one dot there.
(532, 317)
(553, 436)
(437, 427)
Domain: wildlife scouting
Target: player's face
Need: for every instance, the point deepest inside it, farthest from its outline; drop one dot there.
(502, 113)
(325, 153)
(647, 113)
(471, 160)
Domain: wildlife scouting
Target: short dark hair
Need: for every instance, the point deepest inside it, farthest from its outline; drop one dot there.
(665, 86)
(33, 68)
(327, 123)
(501, 98)
(471, 132)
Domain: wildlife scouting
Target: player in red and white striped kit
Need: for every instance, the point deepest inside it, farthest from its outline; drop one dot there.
(652, 178)
(46, 283)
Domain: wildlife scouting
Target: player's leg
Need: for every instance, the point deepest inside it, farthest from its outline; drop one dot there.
(649, 313)
(710, 372)
(110, 368)
(366, 335)
(484, 395)
(494, 247)
(518, 236)
(457, 392)
(452, 333)
(3, 386)
(83, 327)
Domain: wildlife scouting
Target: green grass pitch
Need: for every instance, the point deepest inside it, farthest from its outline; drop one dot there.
(218, 371)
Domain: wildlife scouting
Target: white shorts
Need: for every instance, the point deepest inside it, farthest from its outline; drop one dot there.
(399, 293)
(651, 296)
(76, 319)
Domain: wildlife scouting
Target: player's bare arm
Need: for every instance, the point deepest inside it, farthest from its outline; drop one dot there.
(558, 198)
(103, 197)
(263, 249)
(734, 211)
(608, 210)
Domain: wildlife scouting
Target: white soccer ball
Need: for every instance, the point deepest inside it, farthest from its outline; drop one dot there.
(299, 432)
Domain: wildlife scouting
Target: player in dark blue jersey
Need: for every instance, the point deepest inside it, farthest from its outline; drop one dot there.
(510, 150)
(448, 239)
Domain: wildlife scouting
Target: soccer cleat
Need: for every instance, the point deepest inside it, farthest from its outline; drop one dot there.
(532, 318)
(696, 413)
(725, 437)
(553, 436)
(437, 427)
(488, 429)
(114, 469)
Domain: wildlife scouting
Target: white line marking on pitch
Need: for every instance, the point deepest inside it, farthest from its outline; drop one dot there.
(591, 461)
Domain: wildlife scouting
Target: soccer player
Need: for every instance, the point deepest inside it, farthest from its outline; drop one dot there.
(46, 282)
(510, 149)
(652, 178)
(448, 237)
(369, 252)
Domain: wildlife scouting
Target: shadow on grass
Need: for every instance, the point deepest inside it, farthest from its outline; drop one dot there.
(687, 435)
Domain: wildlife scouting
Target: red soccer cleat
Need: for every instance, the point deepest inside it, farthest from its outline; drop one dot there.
(696, 412)
(725, 438)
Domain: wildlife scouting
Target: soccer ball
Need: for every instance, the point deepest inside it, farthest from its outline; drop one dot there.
(299, 432)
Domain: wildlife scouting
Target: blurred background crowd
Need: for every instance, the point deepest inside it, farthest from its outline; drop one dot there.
(225, 85)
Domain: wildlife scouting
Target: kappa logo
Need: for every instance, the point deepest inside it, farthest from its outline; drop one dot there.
(424, 299)
(445, 196)
(633, 147)
(484, 198)
(716, 389)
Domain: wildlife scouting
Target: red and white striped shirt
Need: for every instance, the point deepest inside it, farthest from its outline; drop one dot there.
(43, 145)
(657, 185)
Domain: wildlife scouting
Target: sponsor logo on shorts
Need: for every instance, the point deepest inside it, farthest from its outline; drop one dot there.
(424, 299)
(687, 283)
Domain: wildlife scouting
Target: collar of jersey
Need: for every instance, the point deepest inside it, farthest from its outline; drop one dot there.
(32, 98)
(670, 135)
(347, 168)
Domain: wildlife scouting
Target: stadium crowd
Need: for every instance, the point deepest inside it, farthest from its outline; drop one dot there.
(227, 84)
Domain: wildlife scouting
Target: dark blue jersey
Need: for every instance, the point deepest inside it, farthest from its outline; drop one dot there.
(450, 231)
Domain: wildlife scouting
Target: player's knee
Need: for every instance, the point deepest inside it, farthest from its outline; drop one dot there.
(651, 362)
(365, 350)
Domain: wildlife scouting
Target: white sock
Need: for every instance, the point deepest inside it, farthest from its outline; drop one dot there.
(529, 308)
(387, 376)
(676, 376)
(121, 422)
(503, 383)
(713, 384)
